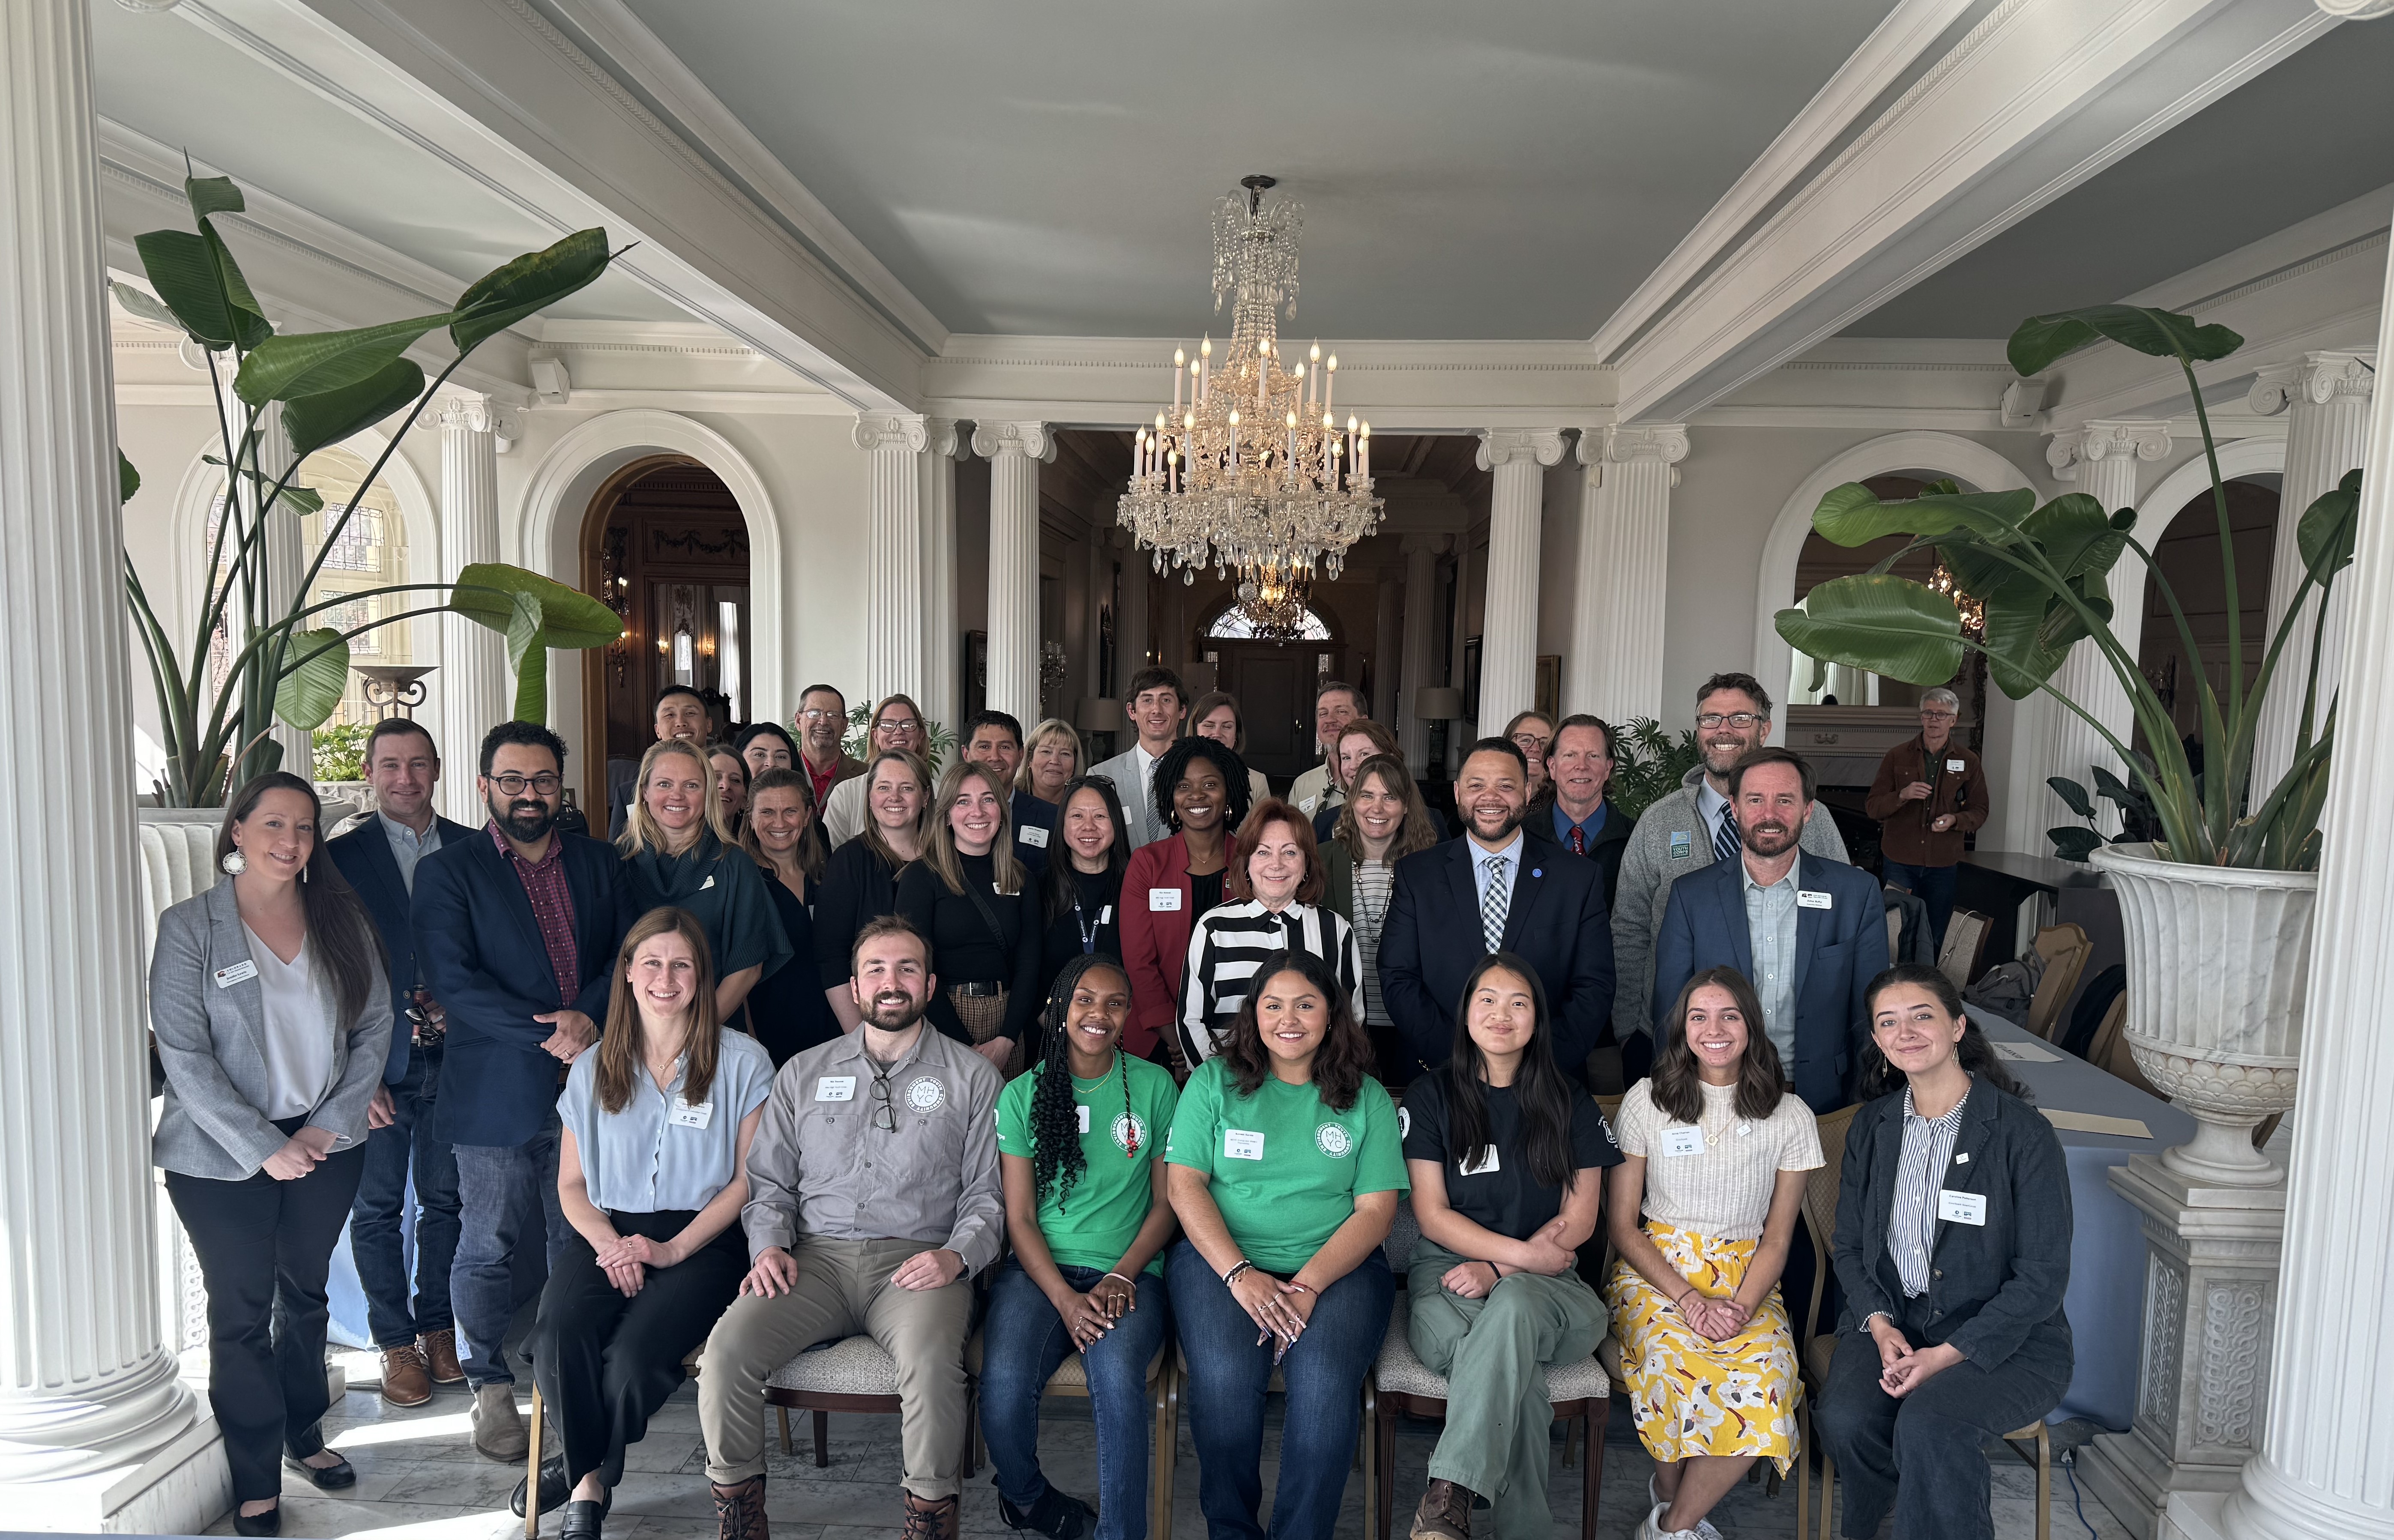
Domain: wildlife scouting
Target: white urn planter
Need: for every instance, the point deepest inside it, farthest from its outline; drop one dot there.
(2218, 964)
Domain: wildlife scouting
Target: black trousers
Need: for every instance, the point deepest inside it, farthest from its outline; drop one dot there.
(264, 1248)
(605, 1364)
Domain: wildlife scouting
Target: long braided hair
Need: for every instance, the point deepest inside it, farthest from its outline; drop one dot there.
(1056, 1162)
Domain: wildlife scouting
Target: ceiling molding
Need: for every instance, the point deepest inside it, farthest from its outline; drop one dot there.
(2039, 96)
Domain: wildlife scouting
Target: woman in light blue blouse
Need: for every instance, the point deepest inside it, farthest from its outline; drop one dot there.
(652, 1174)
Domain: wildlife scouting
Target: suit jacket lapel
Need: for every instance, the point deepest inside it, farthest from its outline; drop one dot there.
(519, 904)
(1810, 924)
(1529, 881)
(1960, 1173)
(384, 867)
(1463, 869)
(229, 947)
(1731, 897)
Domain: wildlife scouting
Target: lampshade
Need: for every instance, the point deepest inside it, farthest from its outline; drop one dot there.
(1438, 703)
(1099, 714)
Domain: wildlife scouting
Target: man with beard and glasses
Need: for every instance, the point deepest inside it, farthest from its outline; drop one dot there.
(1809, 934)
(1682, 833)
(1500, 888)
(516, 927)
(873, 1200)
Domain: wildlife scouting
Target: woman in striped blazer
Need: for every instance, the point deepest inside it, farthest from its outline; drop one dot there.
(1277, 884)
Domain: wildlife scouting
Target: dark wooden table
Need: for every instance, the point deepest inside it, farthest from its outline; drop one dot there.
(1996, 883)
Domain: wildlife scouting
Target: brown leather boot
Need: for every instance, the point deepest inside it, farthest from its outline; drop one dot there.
(439, 1349)
(404, 1382)
(1444, 1513)
(740, 1510)
(926, 1520)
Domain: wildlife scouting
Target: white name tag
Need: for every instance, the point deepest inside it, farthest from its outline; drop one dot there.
(684, 1116)
(1241, 1144)
(1307, 806)
(1106, 916)
(708, 883)
(1486, 1166)
(1955, 767)
(1032, 836)
(227, 977)
(835, 1087)
(1805, 899)
(1963, 1208)
(1162, 898)
(1081, 1112)
(1683, 1140)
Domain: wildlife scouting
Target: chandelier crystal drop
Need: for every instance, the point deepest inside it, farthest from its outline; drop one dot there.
(1250, 470)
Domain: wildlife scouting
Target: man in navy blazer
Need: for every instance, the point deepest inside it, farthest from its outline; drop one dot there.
(1444, 916)
(417, 1337)
(1809, 934)
(517, 927)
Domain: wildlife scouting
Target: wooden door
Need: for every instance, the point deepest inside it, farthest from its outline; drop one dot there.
(1271, 685)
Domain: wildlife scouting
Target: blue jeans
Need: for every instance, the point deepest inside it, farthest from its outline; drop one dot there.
(1931, 885)
(1024, 1340)
(505, 1192)
(1229, 1371)
(378, 1219)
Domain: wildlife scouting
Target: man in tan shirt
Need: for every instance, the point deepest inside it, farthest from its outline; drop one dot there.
(873, 1198)
(1930, 792)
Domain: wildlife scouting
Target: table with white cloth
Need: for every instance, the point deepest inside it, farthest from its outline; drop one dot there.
(2106, 1301)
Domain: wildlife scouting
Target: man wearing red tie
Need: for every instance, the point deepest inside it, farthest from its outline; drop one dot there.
(1579, 767)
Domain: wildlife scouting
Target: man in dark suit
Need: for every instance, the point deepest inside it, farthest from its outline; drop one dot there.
(517, 926)
(1500, 887)
(417, 1337)
(1809, 934)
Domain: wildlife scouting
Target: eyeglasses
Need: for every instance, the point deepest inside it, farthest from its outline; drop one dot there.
(1928, 716)
(1526, 740)
(514, 785)
(1738, 719)
(885, 1114)
(898, 724)
(818, 714)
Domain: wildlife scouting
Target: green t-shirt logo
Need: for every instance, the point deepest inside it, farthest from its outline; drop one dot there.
(1130, 1132)
(1333, 1141)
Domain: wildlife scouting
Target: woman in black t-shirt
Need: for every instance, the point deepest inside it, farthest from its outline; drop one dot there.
(1080, 892)
(1506, 1156)
(970, 897)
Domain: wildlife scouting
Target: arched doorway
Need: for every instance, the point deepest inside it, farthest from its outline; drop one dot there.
(2186, 552)
(1274, 680)
(664, 541)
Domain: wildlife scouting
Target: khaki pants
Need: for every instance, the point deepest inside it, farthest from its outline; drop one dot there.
(843, 1290)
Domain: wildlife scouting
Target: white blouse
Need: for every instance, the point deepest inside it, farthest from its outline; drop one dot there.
(299, 1005)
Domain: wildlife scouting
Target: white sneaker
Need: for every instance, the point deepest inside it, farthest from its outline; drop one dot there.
(1651, 1527)
(1703, 1530)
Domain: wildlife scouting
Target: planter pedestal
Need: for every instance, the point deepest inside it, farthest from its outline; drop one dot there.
(2211, 1305)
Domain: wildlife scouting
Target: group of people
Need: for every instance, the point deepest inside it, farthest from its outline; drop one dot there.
(1099, 1059)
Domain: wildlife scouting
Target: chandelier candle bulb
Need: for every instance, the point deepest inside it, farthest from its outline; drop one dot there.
(1329, 382)
(1178, 359)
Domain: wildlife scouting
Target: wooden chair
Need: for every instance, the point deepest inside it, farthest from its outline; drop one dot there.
(2106, 1041)
(1819, 1347)
(2065, 950)
(856, 1374)
(1966, 944)
(1070, 1380)
(1399, 1384)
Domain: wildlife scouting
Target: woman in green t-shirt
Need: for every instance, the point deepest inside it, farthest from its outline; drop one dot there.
(1285, 1171)
(1077, 1139)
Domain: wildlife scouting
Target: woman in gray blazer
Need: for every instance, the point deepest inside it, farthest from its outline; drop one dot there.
(272, 1015)
(1952, 1247)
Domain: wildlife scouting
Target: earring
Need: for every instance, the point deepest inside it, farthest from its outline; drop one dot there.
(303, 871)
(234, 862)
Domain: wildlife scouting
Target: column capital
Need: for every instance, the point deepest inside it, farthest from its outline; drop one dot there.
(1037, 440)
(892, 430)
(2105, 438)
(1418, 544)
(1505, 446)
(2318, 377)
(1618, 443)
(480, 415)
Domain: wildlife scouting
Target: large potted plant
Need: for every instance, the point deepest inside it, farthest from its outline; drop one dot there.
(277, 658)
(2218, 911)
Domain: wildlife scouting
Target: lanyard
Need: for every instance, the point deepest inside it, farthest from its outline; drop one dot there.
(1090, 932)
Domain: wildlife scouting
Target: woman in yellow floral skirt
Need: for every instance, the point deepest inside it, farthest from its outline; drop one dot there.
(1713, 1158)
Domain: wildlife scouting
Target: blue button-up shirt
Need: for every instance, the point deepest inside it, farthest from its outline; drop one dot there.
(1563, 825)
(1510, 855)
(1771, 931)
(641, 1160)
(407, 847)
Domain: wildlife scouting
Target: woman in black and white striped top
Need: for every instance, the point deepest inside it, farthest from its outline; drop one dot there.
(1277, 882)
(1383, 821)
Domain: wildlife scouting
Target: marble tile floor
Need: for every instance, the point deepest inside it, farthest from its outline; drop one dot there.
(419, 1478)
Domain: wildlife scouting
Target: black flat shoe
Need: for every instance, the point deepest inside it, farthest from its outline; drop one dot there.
(582, 1521)
(268, 1522)
(554, 1487)
(331, 1478)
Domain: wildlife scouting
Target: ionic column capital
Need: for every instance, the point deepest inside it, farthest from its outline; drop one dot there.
(472, 413)
(1505, 446)
(1619, 443)
(2317, 377)
(901, 430)
(1424, 545)
(2106, 439)
(1034, 441)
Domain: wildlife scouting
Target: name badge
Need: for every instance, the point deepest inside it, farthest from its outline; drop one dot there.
(684, 1116)
(1808, 899)
(1159, 899)
(1683, 1140)
(1307, 806)
(1032, 836)
(227, 977)
(1682, 844)
(1955, 767)
(1106, 916)
(1081, 1112)
(1963, 1208)
(835, 1087)
(708, 883)
(1241, 1144)
(1486, 1166)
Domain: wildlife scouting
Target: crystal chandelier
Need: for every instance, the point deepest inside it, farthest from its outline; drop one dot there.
(1973, 610)
(1250, 470)
(1276, 601)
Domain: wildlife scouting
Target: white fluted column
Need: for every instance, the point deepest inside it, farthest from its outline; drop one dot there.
(286, 564)
(1616, 667)
(893, 565)
(1015, 451)
(475, 691)
(1388, 640)
(2324, 1472)
(1130, 623)
(942, 638)
(1508, 627)
(2101, 458)
(2325, 397)
(89, 1403)
(1422, 552)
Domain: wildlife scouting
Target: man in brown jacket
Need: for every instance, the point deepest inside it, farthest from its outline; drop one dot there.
(1930, 792)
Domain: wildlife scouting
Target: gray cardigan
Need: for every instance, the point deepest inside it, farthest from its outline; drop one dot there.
(212, 1039)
